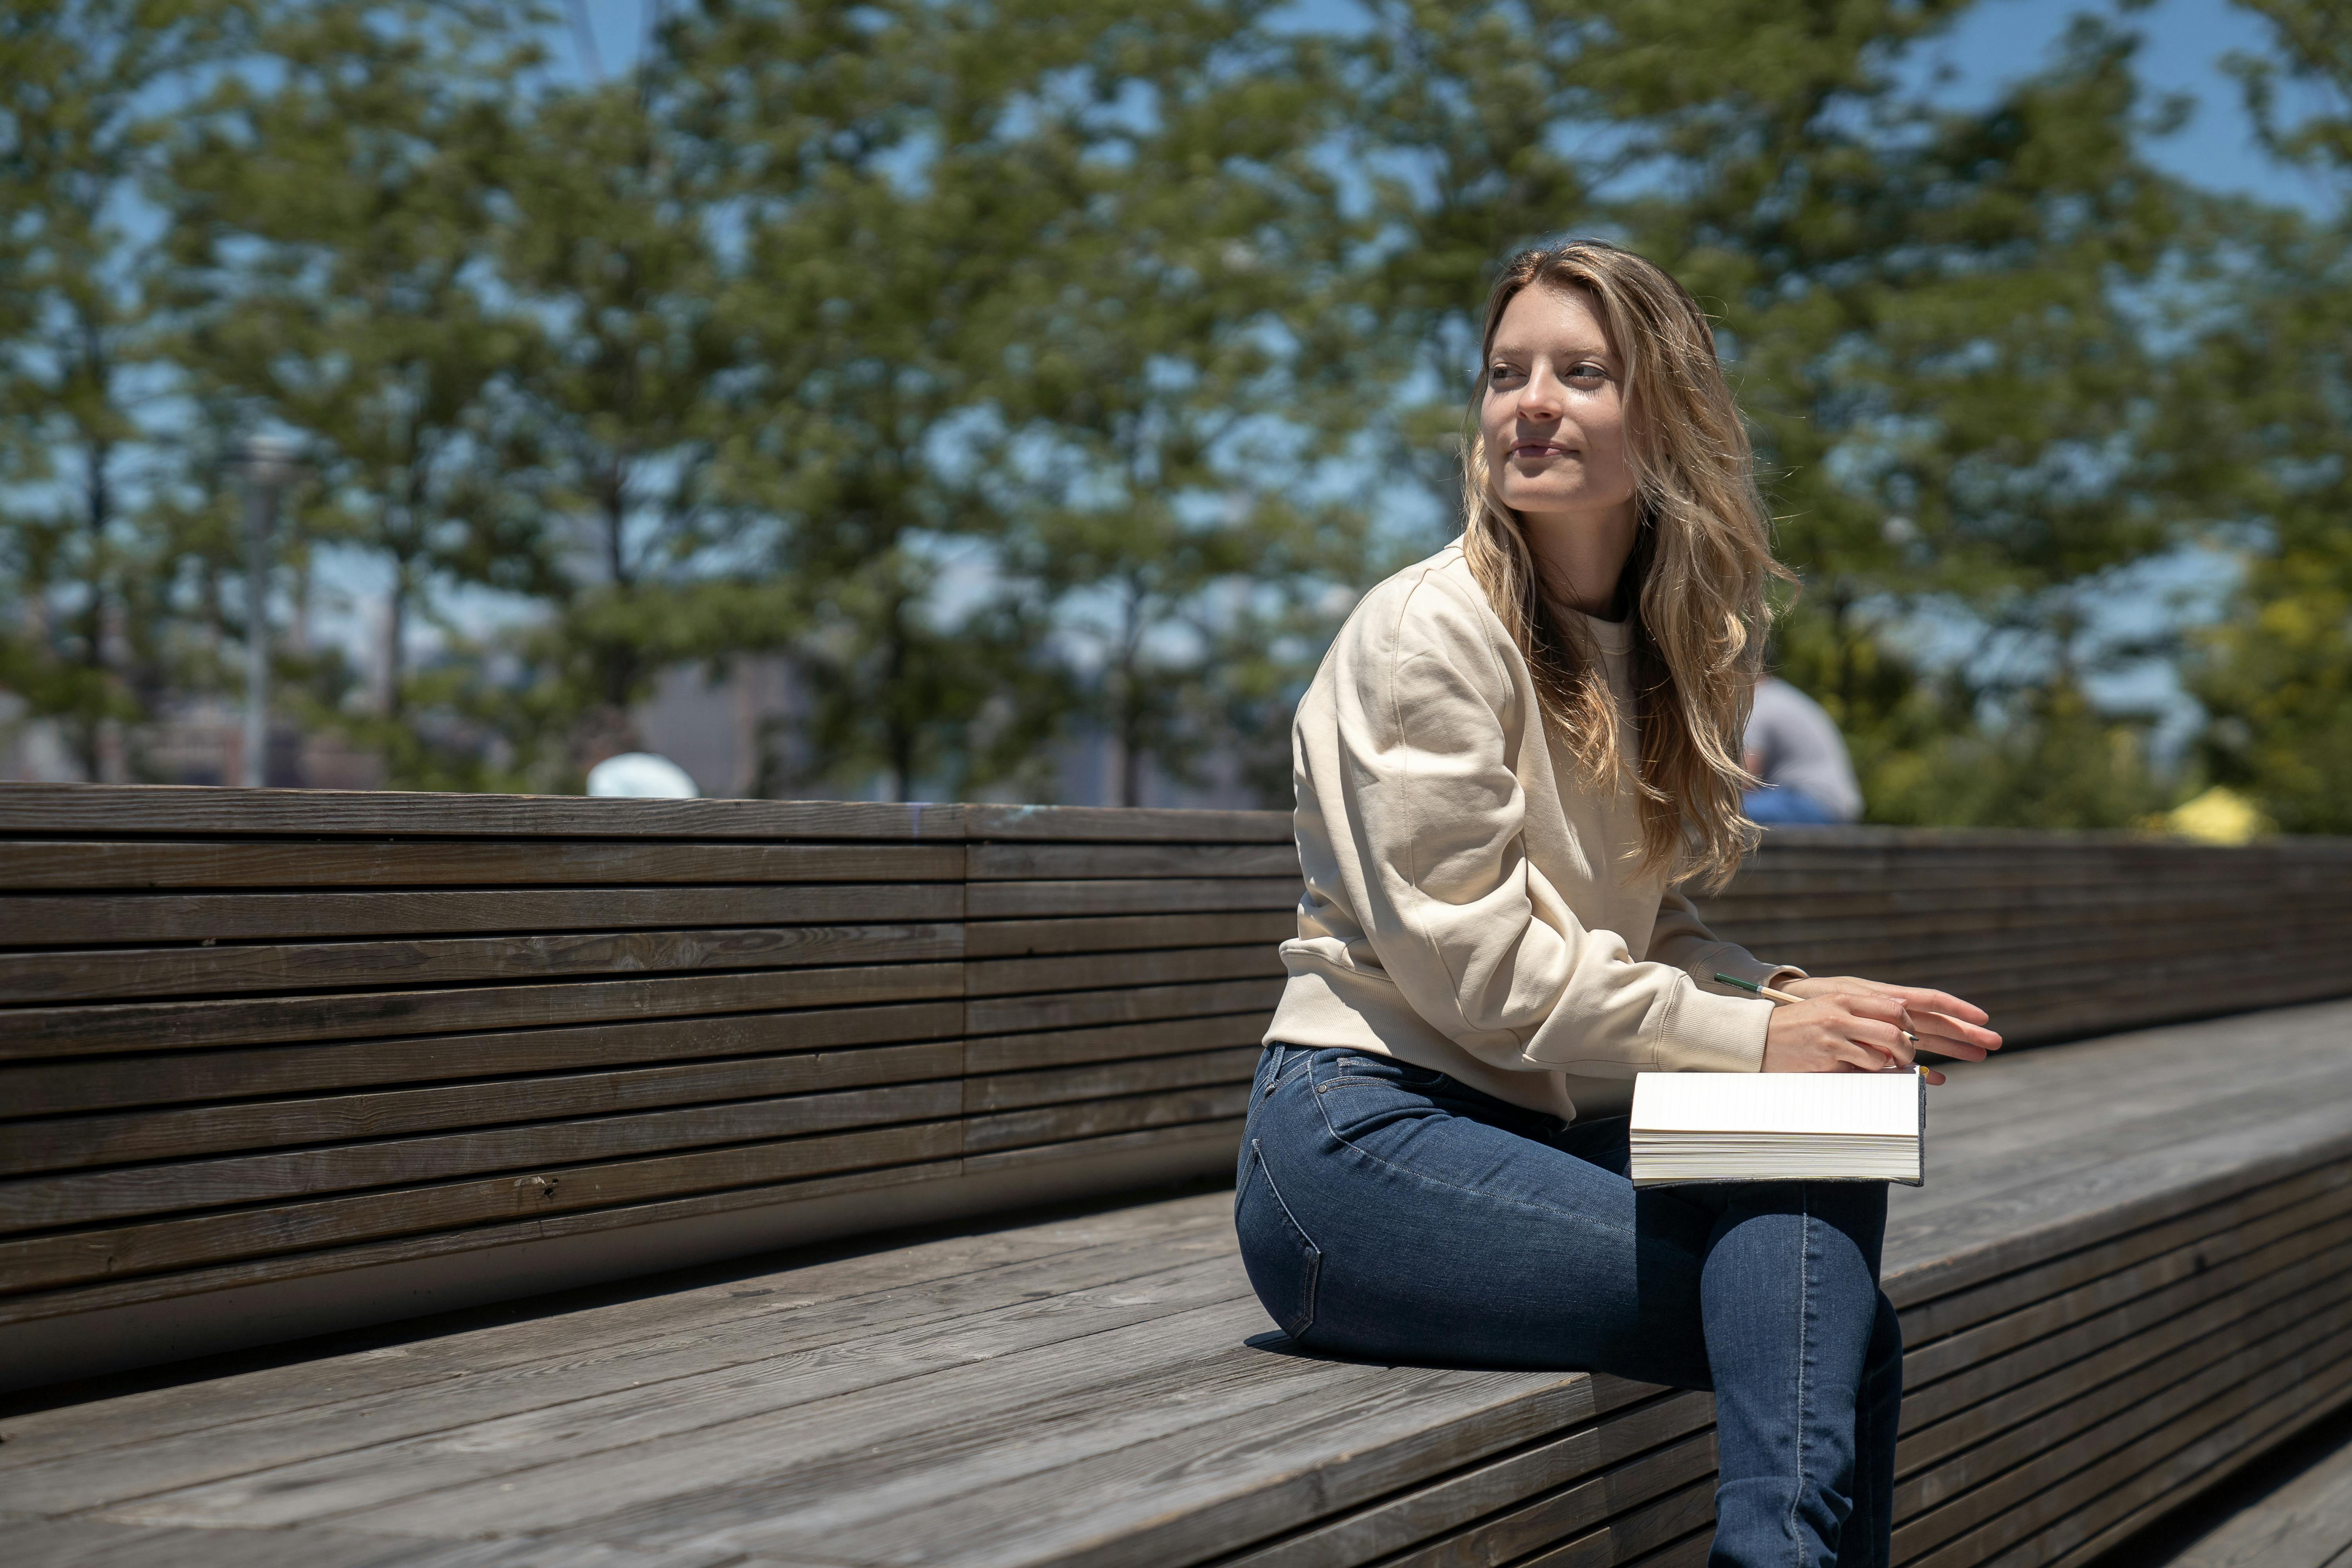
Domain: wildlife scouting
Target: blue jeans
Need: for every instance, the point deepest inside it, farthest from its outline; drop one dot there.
(1390, 1212)
(1778, 807)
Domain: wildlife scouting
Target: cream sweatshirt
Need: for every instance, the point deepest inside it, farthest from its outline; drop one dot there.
(1472, 906)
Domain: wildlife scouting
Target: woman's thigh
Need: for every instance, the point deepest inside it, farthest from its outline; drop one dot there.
(1385, 1210)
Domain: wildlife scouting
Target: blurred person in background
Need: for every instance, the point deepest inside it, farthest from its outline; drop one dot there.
(1793, 746)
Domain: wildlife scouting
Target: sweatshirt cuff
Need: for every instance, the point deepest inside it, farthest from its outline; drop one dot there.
(1714, 1033)
(1730, 958)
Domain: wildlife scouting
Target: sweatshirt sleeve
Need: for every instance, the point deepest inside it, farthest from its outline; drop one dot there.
(1681, 938)
(1482, 945)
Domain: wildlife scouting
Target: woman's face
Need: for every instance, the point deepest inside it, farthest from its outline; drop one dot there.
(1553, 415)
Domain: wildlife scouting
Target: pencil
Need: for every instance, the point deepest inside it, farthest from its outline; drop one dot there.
(1764, 991)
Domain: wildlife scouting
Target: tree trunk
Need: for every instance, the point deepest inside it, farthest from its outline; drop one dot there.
(396, 624)
(99, 747)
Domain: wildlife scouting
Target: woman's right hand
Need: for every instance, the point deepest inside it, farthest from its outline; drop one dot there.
(1843, 1032)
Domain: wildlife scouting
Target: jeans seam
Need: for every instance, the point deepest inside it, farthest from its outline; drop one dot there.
(1804, 1368)
(1351, 1144)
(1314, 1261)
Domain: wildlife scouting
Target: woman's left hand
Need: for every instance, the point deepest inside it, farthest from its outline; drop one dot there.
(1943, 1023)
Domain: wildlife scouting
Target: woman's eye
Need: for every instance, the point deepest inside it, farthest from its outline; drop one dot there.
(1586, 372)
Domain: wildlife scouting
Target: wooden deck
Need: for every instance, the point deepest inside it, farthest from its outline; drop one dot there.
(2292, 1509)
(2131, 1266)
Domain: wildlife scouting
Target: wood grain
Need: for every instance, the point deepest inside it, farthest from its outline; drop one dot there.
(67, 919)
(76, 865)
(120, 809)
(103, 1083)
(120, 1027)
(248, 970)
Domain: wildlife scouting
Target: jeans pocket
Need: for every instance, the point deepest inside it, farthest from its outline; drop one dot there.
(1283, 1264)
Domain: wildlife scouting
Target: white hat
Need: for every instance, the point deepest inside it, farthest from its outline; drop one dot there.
(643, 776)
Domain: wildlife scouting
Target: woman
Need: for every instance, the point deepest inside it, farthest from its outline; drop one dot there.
(1512, 752)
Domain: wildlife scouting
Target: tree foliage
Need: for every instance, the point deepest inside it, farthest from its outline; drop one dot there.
(1027, 369)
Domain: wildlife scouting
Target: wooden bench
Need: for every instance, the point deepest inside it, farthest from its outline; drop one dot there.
(279, 1063)
(2131, 1270)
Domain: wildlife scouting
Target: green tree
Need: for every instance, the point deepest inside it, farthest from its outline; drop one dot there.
(2269, 380)
(611, 418)
(330, 227)
(1172, 366)
(85, 97)
(1930, 310)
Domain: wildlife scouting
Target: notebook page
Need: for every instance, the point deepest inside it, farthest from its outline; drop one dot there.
(1885, 1104)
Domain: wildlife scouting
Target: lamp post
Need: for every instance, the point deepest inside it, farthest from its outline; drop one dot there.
(264, 464)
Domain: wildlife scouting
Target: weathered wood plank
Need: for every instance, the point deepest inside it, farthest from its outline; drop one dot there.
(80, 866)
(412, 1247)
(2304, 1523)
(926, 1316)
(176, 809)
(1094, 824)
(1130, 934)
(1093, 1118)
(1963, 1366)
(69, 1257)
(239, 969)
(1164, 895)
(83, 919)
(1077, 862)
(1117, 1042)
(100, 1544)
(1422, 1513)
(93, 1141)
(824, 1038)
(128, 1027)
(2056, 1505)
(1226, 1135)
(1095, 1009)
(2115, 1314)
(1014, 1091)
(2306, 1317)
(91, 1197)
(1035, 976)
(792, 1422)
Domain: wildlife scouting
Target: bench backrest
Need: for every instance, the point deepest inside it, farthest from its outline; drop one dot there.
(275, 1061)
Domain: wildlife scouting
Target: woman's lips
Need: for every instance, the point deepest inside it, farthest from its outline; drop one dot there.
(1539, 450)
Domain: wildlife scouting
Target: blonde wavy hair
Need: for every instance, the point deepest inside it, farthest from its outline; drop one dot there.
(1697, 579)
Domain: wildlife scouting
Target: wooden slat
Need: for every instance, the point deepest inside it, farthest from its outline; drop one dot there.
(1143, 896)
(402, 1248)
(167, 1435)
(189, 1025)
(1057, 1086)
(1074, 862)
(1094, 823)
(79, 866)
(1117, 1042)
(1092, 1009)
(105, 1083)
(1006, 977)
(89, 1141)
(174, 809)
(1092, 1118)
(87, 1197)
(134, 972)
(1130, 934)
(62, 920)
(69, 1257)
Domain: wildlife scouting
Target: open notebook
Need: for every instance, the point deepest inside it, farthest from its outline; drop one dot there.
(1779, 1126)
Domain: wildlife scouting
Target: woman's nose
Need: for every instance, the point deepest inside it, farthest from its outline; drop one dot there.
(1539, 398)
